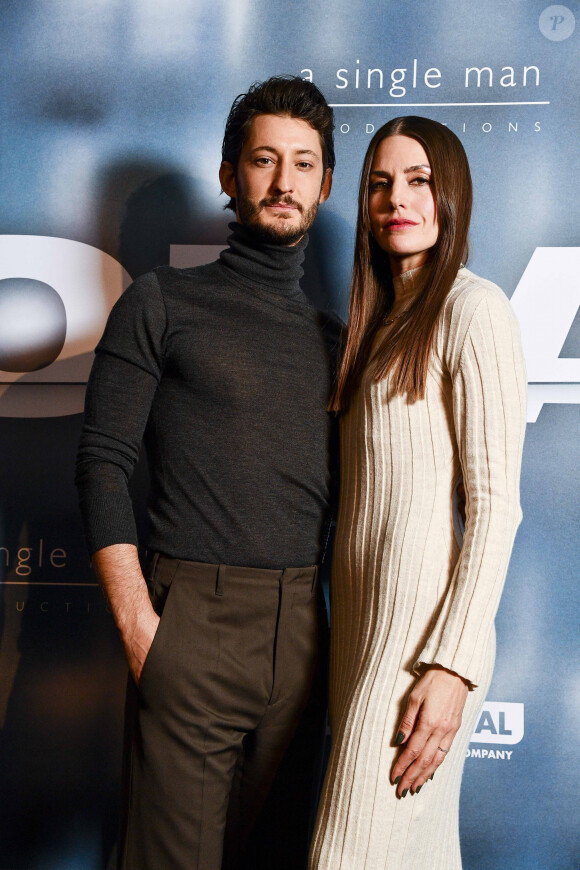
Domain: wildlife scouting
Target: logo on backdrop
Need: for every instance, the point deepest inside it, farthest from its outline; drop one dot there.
(557, 23)
(546, 303)
(404, 81)
(55, 297)
(500, 722)
(32, 324)
(24, 561)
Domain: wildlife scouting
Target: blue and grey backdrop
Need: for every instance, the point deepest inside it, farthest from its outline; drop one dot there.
(112, 117)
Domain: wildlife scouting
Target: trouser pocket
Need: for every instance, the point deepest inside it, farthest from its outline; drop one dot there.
(161, 575)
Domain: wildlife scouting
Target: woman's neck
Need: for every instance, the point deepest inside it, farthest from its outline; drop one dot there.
(407, 287)
(401, 265)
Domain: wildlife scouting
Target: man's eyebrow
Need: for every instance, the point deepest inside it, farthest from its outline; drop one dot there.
(272, 150)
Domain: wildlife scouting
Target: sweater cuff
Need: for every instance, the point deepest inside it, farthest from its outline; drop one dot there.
(421, 666)
(109, 520)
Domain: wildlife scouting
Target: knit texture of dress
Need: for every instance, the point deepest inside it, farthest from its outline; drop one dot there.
(407, 589)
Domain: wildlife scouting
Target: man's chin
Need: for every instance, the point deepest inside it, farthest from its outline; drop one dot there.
(280, 233)
(280, 230)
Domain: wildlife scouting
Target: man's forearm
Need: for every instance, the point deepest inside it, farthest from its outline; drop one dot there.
(120, 575)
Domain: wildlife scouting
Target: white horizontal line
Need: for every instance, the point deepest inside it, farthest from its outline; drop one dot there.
(389, 105)
(41, 583)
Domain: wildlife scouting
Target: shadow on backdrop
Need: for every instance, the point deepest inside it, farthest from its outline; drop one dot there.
(148, 206)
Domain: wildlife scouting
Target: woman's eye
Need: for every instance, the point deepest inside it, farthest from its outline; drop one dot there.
(378, 185)
(420, 180)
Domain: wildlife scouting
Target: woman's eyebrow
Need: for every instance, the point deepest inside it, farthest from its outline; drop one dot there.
(383, 174)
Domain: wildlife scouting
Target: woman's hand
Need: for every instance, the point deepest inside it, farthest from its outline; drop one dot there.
(431, 721)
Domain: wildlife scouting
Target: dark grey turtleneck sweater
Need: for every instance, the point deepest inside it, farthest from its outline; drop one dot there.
(225, 371)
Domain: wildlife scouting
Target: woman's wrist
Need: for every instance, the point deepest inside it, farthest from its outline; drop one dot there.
(437, 667)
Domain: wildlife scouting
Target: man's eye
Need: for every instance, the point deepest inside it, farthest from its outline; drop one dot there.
(264, 161)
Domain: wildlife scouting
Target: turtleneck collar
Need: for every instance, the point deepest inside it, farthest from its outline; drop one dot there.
(276, 268)
(407, 287)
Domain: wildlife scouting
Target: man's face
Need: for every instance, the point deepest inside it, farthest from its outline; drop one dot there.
(279, 181)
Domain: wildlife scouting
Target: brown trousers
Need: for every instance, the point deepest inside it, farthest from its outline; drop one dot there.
(230, 707)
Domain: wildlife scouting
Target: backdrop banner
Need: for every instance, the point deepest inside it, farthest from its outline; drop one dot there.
(112, 120)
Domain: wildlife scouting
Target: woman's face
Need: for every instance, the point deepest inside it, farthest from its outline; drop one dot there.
(401, 204)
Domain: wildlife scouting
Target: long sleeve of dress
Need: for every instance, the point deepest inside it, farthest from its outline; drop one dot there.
(486, 365)
(124, 377)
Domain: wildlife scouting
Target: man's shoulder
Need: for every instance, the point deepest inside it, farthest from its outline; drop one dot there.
(162, 292)
(171, 279)
(331, 324)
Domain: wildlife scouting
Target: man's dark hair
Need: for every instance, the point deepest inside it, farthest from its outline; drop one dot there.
(279, 95)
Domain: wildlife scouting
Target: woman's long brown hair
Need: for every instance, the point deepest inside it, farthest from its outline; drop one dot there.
(407, 348)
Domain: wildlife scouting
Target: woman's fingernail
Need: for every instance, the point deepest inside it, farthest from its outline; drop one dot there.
(399, 738)
(404, 792)
(418, 789)
(397, 780)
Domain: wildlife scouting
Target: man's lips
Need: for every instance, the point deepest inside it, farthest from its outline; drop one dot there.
(282, 206)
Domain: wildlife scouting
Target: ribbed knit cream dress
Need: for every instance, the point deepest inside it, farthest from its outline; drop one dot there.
(406, 590)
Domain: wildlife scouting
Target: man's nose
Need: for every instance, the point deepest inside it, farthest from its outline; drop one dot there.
(282, 180)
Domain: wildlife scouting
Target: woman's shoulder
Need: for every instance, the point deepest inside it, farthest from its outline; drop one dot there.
(469, 291)
(473, 306)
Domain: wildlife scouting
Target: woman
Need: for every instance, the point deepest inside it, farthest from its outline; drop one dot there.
(431, 391)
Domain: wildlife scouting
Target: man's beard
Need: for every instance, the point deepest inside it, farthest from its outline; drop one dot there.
(283, 231)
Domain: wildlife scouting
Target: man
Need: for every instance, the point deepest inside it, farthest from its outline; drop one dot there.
(224, 371)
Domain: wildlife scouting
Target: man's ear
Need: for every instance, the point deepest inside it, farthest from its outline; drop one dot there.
(228, 179)
(326, 186)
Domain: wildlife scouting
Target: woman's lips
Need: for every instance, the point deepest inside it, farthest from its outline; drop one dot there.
(400, 224)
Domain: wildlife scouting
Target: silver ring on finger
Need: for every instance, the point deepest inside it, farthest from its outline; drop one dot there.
(440, 748)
